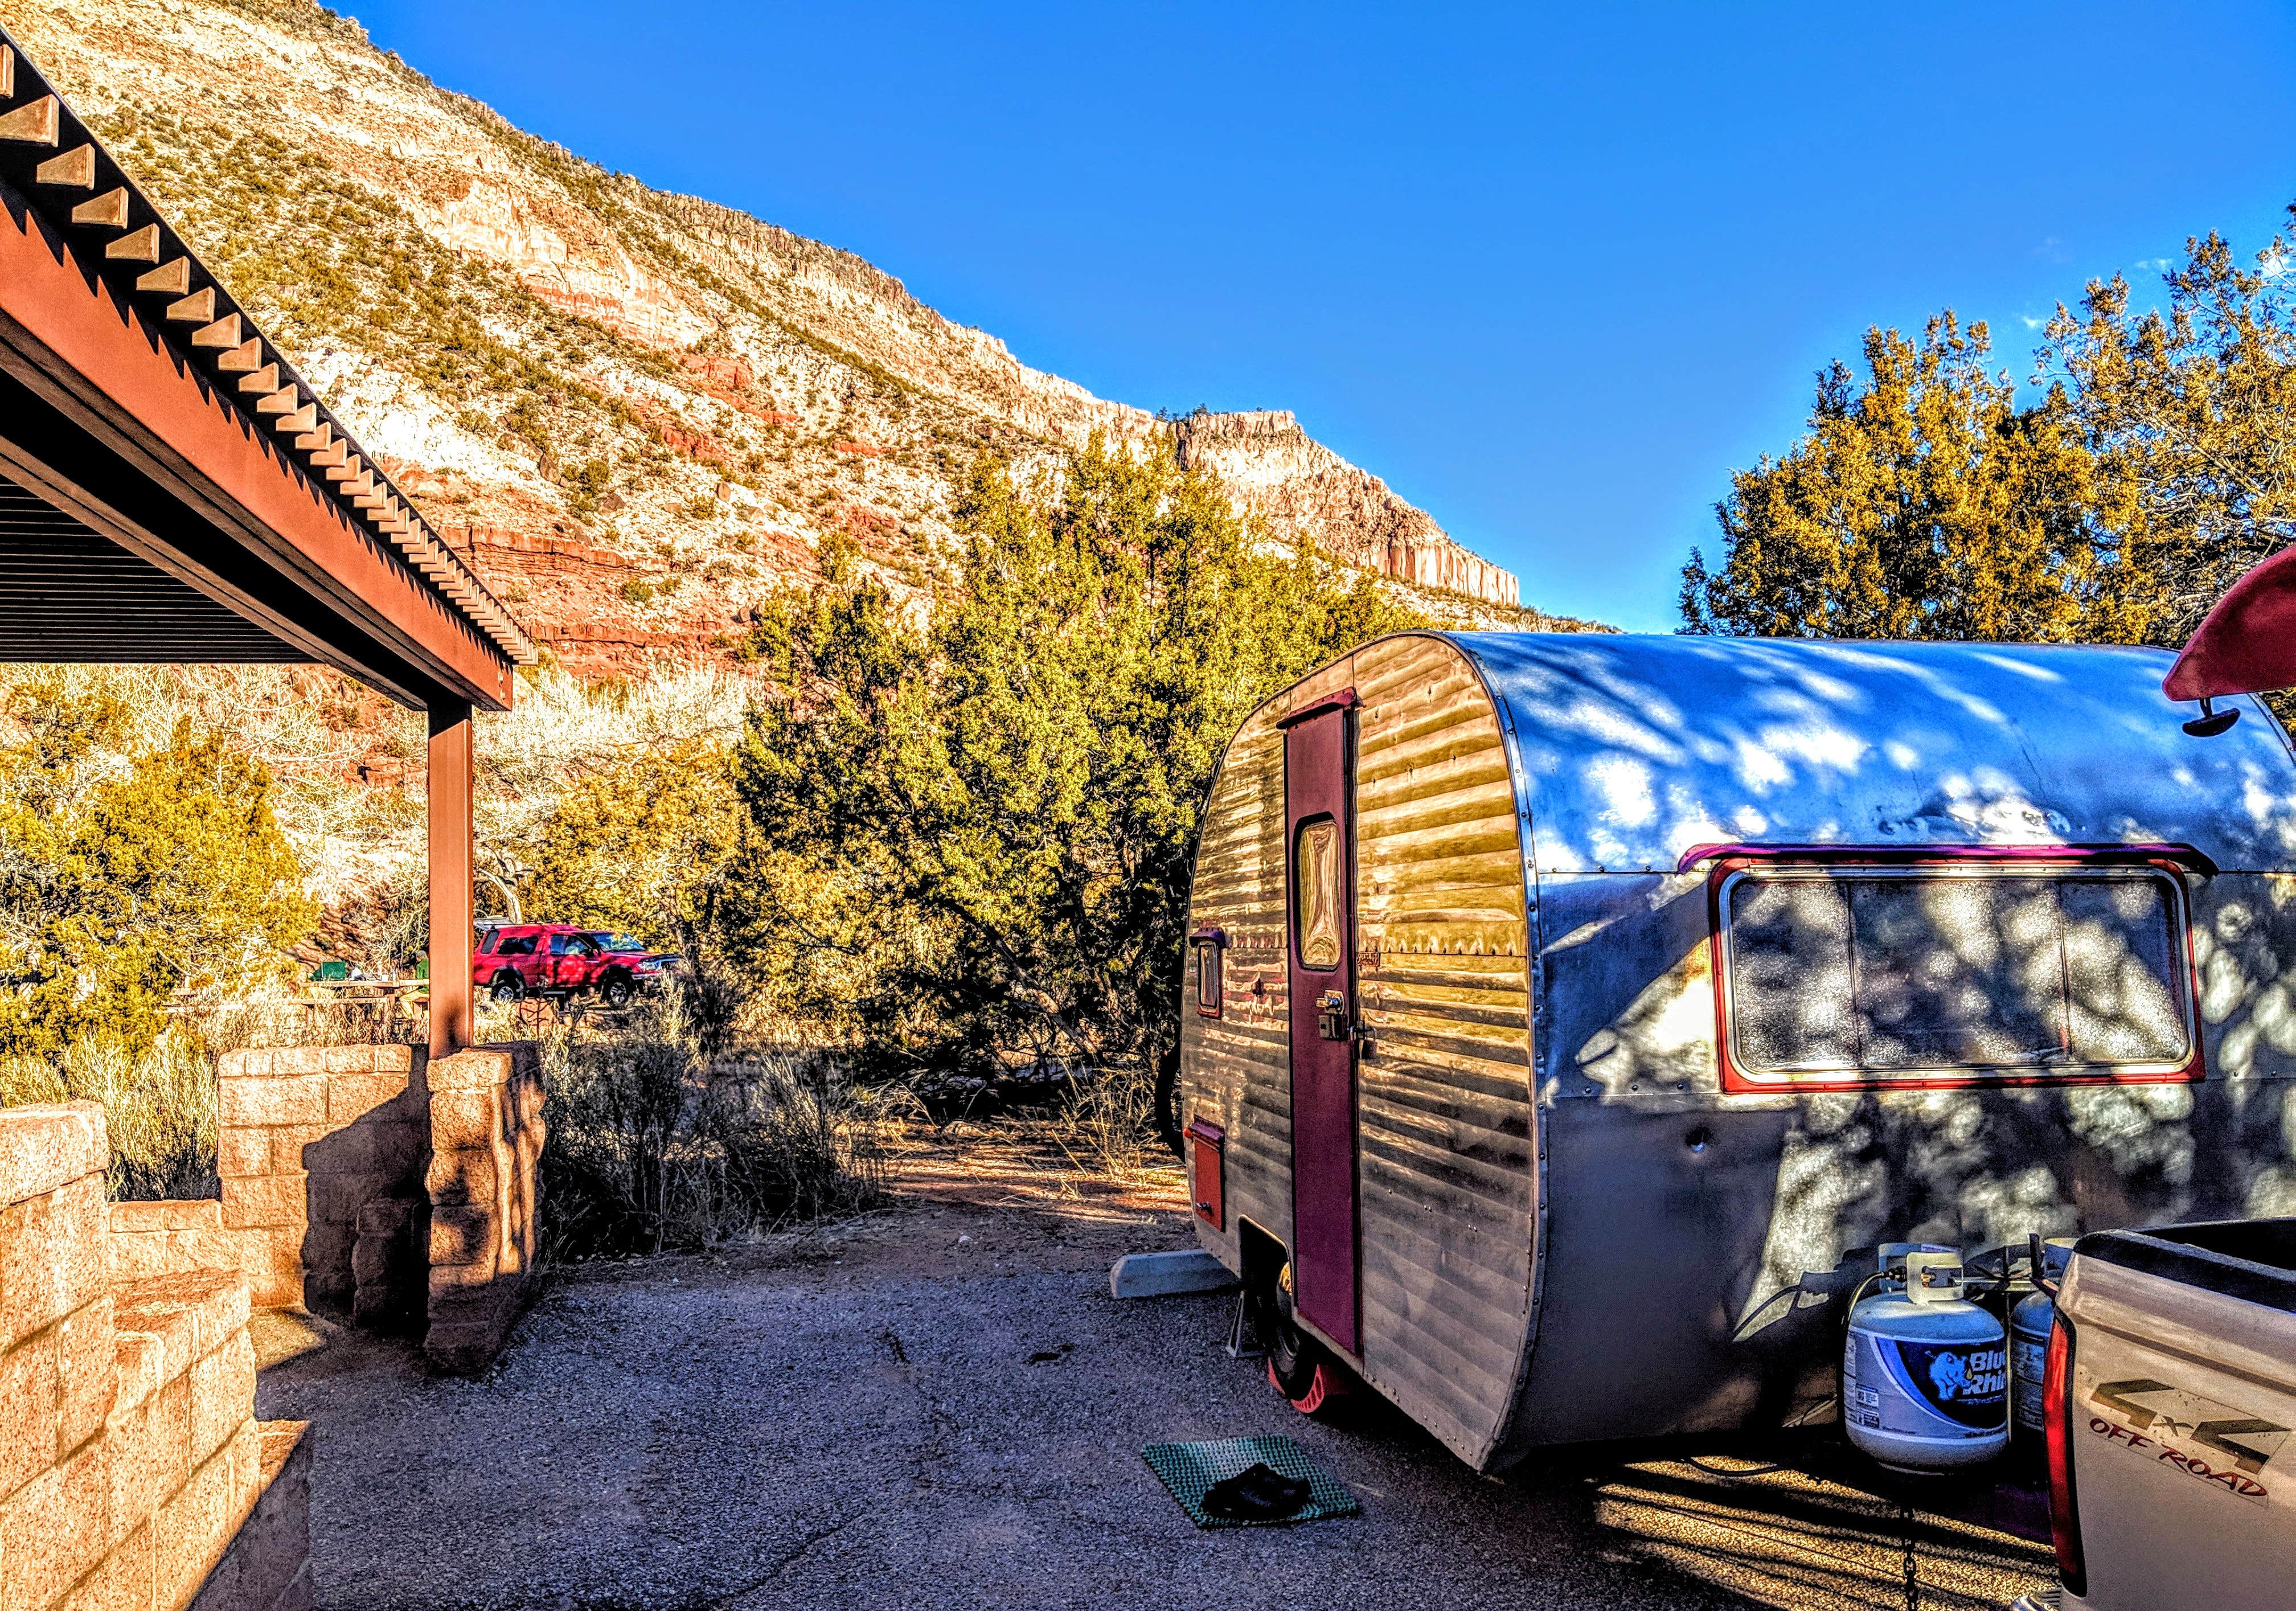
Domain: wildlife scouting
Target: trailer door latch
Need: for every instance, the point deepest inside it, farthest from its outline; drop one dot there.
(1332, 1018)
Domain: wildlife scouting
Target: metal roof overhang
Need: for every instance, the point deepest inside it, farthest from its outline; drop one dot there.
(102, 420)
(2245, 645)
(170, 488)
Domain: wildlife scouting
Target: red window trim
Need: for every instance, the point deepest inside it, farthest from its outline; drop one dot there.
(2171, 860)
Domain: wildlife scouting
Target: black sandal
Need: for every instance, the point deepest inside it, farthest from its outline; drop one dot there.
(1258, 1493)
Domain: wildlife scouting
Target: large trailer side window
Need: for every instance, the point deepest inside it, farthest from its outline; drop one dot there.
(1315, 893)
(1873, 975)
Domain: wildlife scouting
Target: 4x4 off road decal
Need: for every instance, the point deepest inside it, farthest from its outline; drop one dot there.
(2170, 1427)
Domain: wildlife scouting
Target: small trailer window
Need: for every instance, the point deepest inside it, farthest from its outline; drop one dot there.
(1315, 893)
(1210, 985)
(1873, 975)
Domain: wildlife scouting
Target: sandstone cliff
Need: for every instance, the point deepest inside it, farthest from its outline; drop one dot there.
(640, 411)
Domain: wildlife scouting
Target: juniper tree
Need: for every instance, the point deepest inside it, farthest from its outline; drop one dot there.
(995, 792)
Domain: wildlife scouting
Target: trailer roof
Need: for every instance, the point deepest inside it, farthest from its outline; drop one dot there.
(1632, 751)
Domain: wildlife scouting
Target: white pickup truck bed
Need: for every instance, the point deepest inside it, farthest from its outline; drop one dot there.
(2174, 1377)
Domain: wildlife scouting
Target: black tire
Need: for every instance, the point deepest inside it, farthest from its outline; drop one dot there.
(507, 989)
(616, 991)
(1293, 1355)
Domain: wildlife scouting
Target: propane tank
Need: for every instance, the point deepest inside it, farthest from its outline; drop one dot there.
(1924, 1372)
(2028, 1342)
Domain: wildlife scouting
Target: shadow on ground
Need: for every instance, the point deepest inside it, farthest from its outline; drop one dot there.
(938, 1405)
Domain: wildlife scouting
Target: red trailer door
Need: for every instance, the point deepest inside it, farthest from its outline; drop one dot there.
(1318, 779)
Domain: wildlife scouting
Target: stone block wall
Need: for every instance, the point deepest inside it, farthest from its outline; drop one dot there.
(485, 1195)
(168, 1238)
(373, 1182)
(129, 1454)
(307, 1137)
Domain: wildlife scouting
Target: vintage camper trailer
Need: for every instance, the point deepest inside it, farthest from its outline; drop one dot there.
(1554, 1004)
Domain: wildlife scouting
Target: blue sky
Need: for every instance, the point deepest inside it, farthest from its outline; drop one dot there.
(1553, 272)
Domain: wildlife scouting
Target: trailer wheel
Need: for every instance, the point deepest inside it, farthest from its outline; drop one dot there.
(1299, 1367)
(1326, 1383)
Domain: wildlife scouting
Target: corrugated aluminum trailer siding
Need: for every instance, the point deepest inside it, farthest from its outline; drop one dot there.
(1236, 1070)
(1446, 1161)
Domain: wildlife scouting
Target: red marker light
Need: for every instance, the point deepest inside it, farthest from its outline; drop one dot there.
(2058, 1430)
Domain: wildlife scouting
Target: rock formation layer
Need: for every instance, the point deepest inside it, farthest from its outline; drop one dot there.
(641, 412)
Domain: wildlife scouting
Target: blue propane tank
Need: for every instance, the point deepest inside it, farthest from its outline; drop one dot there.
(1924, 1372)
(2029, 1343)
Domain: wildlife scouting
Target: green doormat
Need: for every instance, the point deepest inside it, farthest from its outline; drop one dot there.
(1188, 1469)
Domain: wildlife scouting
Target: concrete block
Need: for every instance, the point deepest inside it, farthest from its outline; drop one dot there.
(268, 1200)
(135, 1370)
(468, 1174)
(77, 1234)
(151, 1455)
(461, 1235)
(31, 1275)
(336, 1199)
(354, 1095)
(288, 1142)
(272, 1261)
(55, 1528)
(464, 1119)
(87, 1372)
(242, 1151)
(123, 1583)
(28, 1412)
(191, 1531)
(246, 1461)
(191, 1314)
(1162, 1275)
(223, 1395)
(44, 1143)
(201, 1213)
(279, 1099)
(479, 1068)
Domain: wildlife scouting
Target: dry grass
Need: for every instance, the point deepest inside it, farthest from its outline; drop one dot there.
(652, 1147)
(1105, 1126)
(160, 1107)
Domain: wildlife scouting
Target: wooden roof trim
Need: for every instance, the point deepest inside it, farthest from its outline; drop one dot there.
(42, 117)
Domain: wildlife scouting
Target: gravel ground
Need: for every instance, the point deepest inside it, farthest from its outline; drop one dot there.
(941, 1406)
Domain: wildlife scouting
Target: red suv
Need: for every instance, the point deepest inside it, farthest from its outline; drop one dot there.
(560, 961)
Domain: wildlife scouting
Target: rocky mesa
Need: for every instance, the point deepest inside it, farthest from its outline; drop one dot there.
(641, 412)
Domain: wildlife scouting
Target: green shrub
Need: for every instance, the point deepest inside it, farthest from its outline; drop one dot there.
(128, 875)
(637, 591)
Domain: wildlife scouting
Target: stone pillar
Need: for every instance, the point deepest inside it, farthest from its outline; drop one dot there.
(307, 1137)
(485, 1190)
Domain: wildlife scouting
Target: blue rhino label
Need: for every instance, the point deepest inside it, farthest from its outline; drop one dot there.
(1942, 1389)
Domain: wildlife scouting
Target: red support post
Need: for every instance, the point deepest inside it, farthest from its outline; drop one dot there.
(448, 807)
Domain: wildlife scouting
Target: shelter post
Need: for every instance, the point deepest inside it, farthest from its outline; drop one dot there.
(448, 808)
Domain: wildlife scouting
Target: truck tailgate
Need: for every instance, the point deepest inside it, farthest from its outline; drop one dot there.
(2184, 1399)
